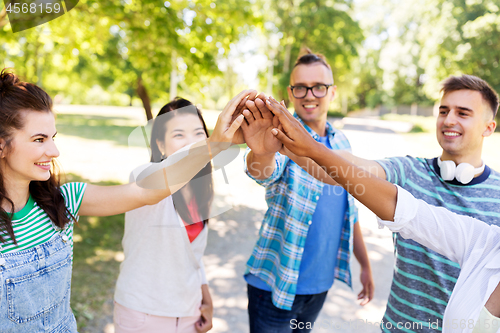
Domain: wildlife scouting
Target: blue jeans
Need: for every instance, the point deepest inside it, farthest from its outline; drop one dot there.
(264, 317)
(35, 287)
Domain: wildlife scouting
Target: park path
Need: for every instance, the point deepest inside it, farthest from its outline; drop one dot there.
(233, 233)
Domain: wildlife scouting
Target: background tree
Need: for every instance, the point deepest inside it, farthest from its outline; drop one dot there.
(382, 51)
(325, 26)
(127, 46)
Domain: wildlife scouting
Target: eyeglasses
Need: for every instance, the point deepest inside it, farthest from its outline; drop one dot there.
(318, 90)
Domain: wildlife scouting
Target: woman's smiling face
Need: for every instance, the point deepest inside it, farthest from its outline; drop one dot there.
(180, 131)
(31, 150)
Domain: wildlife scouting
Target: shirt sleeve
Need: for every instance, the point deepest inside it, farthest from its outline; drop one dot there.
(280, 160)
(73, 196)
(396, 169)
(452, 235)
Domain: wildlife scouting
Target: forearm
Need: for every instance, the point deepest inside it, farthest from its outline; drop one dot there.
(368, 165)
(206, 297)
(312, 168)
(375, 193)
(359, 248)
(174, 173)
(204, 324)
(152, 185)
(260, 166)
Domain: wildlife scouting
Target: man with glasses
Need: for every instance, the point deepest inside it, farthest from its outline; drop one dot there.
(310, 228)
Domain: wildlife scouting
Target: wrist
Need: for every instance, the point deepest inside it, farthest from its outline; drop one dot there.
(264, 155)
(365, 267)
(207, 302)
(260, 158)
(316, 150)
(215, 147)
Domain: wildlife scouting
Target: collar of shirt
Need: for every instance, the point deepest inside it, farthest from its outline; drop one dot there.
(330, 130)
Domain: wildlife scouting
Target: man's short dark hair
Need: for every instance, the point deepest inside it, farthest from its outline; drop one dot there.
(471, 82)
(307, 57)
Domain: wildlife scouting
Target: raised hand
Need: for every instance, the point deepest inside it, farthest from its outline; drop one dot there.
(292, 134)
(238, 135)
(257, 127)
(226, 129)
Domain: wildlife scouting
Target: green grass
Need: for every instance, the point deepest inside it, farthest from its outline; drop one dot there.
(335, 114)
(97, 246)
(116, 129)
(420, 124)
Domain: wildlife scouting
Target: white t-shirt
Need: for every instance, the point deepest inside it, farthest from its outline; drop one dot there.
(162, 272)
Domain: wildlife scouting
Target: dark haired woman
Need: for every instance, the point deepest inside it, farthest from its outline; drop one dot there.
(37, 214)
(162, 284)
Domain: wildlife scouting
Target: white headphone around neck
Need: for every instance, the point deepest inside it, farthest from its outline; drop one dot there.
(464, 172)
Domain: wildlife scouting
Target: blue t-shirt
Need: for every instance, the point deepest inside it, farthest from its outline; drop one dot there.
(317, 267)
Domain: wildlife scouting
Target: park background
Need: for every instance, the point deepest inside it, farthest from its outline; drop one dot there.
(110, 65)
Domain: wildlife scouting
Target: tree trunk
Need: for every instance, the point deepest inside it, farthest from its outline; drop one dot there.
(143, 95)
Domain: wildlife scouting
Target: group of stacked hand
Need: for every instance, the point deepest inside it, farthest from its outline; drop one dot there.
(264, 124)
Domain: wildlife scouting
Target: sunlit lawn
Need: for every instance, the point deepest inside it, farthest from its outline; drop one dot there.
(420, 124)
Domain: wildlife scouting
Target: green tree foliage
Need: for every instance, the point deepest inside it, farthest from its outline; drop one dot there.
(148, 39)
(422, 42)
(382, 51)
(128, 46)
(471, 44)
(324, 26)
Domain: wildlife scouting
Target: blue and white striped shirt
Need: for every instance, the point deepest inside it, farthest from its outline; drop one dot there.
(423, 279)
(292, 195)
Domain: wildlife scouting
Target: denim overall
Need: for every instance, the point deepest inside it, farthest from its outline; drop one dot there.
(35, 288)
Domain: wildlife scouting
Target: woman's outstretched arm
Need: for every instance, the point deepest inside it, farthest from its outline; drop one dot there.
(170, 175)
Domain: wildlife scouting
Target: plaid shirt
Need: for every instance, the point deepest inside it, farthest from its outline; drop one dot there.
(291, 195)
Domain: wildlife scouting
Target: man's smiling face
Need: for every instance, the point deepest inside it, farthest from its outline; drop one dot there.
(463, 122)
(311, 109)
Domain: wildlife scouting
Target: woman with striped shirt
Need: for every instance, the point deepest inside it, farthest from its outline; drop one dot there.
(37, 214)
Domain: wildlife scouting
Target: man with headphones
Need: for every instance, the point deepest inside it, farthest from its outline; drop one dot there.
(457, 180)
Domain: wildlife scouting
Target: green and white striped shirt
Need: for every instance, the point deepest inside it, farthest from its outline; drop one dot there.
(32, 226)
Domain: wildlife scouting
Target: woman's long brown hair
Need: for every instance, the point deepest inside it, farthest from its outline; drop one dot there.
(204, 193)
(18, 98)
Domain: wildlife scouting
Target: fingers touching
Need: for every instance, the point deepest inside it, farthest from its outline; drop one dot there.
(249, 116)
(237, 103)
